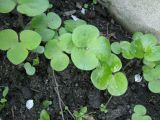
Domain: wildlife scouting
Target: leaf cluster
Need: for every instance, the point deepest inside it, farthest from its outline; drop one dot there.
(3, 100)
(143, 46)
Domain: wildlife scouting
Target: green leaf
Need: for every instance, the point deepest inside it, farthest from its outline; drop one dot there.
(153, 54)
(118, 84)
(151, 74)
(114, 63)
(136, 116)
(137, 35)
(30, 70)
(44, 115)
(30, 39)
(137, 49)
(148, 41)
(66, 43)
(62, 31)
(83, 59)
(126, 50)
(154, 86)
(39, 50)
(8, 38)
(84, 35)
(116, 48)
(54, 21)
(149, 64)
(5, 92)
(46, 34)
(17, 54)
(39, 21)
(140, 110)
(7, 6)
(51, 48)
(3, 100)
(70, 25)
(59, 61)
(101, 48)
(146, 117)
(32, 7)
(46, 104)
(100, 77)
(83, 110)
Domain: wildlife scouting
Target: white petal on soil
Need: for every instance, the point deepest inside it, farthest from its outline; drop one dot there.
(83, 11)
(29, 104)
(137, 78)
(75, 18)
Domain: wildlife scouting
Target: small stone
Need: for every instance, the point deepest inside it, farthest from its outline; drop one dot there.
(137, 78)
(29, 104)
(75, 18)
(83, 11)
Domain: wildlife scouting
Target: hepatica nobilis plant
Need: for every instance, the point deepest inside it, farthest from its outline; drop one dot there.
(89, 51)
(18, 48)
(145, 47)
(27, 7)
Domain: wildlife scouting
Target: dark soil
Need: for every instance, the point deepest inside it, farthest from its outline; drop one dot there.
(75, 86)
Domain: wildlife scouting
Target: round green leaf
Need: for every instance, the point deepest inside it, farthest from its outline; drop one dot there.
(44, 115)
(83, 59)
(46, 34)
(62, 31)
(51, 48)
(65, 42)
(101, 76)
(84, 35)
(148, 40)
(118, 84)
(146, 117)
(32, 7)
(7, 6)
(17, 54)
(115, 63)
(39, 21)
(29, 69)
(116, 48)
(54, 21)
(59, 62)
(137, 49)
(126, 50)
(39, 50)
(137, 35)
(153, 54)
(30, 39)
(8, 38)
(101, 48)
(136, 116)
(154, 86)
(140, 110)
(70, 25)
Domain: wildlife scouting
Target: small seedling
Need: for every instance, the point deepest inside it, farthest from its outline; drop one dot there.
(46, 104)
(30, 70)
(81, 114)
(140, 113)
(3, 100)
(44, 115)
(103, 108)
(36, 61)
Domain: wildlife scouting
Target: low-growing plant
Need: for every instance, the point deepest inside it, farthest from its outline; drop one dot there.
(27, 7)
(44, 115)
(140, 113)
(145, 47)
(81, 114)
(17, 48)
(103, 108)
(46, 104)
(3, 100)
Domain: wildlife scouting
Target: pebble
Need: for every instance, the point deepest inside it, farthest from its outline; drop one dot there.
(137, 78)
(29, 104)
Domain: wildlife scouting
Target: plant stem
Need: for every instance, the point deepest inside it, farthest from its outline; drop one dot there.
(108, 101)
(59, 98)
